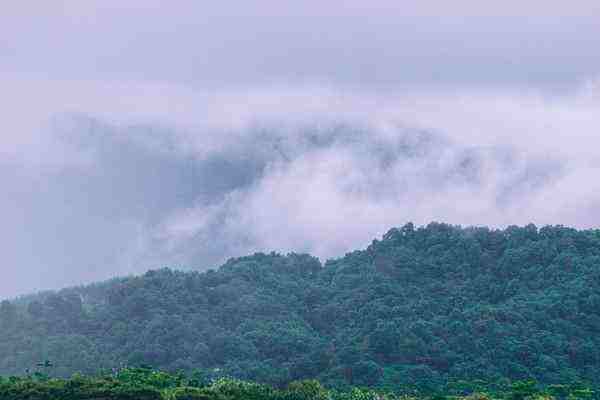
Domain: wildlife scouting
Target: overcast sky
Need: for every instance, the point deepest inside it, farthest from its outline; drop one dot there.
(180, 133)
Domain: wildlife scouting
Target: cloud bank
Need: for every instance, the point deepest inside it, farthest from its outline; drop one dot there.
(112, 179)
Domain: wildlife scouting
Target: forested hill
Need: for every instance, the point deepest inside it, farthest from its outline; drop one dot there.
(419, 308)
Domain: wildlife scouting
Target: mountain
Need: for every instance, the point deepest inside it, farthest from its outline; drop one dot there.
(422, 308)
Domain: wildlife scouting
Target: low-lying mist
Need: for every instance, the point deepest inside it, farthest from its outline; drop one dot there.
(113, 180)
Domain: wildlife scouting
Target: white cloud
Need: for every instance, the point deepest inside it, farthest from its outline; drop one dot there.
(132, 176)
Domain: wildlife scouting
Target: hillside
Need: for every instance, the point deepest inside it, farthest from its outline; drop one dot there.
(418, 309)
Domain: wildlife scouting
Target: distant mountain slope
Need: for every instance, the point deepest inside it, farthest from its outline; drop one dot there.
(418, 308)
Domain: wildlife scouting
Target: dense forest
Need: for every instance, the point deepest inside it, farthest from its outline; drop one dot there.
(422, 310)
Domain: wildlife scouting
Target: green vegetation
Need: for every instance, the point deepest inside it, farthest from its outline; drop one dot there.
(422, 310)
(148, 384)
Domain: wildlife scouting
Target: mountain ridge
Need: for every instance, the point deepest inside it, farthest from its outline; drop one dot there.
(420, 308)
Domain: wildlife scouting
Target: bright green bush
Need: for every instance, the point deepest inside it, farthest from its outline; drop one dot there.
(145, 384)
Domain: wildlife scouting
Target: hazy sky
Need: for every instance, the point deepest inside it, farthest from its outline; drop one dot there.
(180, 133)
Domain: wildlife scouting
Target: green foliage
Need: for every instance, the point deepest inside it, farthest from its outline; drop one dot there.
(147, 384)
(423, 311)
(306, 390)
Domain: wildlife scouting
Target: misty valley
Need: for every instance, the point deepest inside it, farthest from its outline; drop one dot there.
(436, 311)
(300, 200)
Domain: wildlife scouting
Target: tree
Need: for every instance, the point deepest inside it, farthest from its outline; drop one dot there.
(35, 309)
(8, 313)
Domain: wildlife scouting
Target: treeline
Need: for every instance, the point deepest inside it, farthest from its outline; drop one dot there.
(148, 384)
(415, 311)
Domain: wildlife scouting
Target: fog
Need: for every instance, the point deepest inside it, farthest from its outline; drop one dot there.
(169, 134)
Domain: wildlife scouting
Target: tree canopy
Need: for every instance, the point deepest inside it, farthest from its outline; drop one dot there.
(424, 308)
